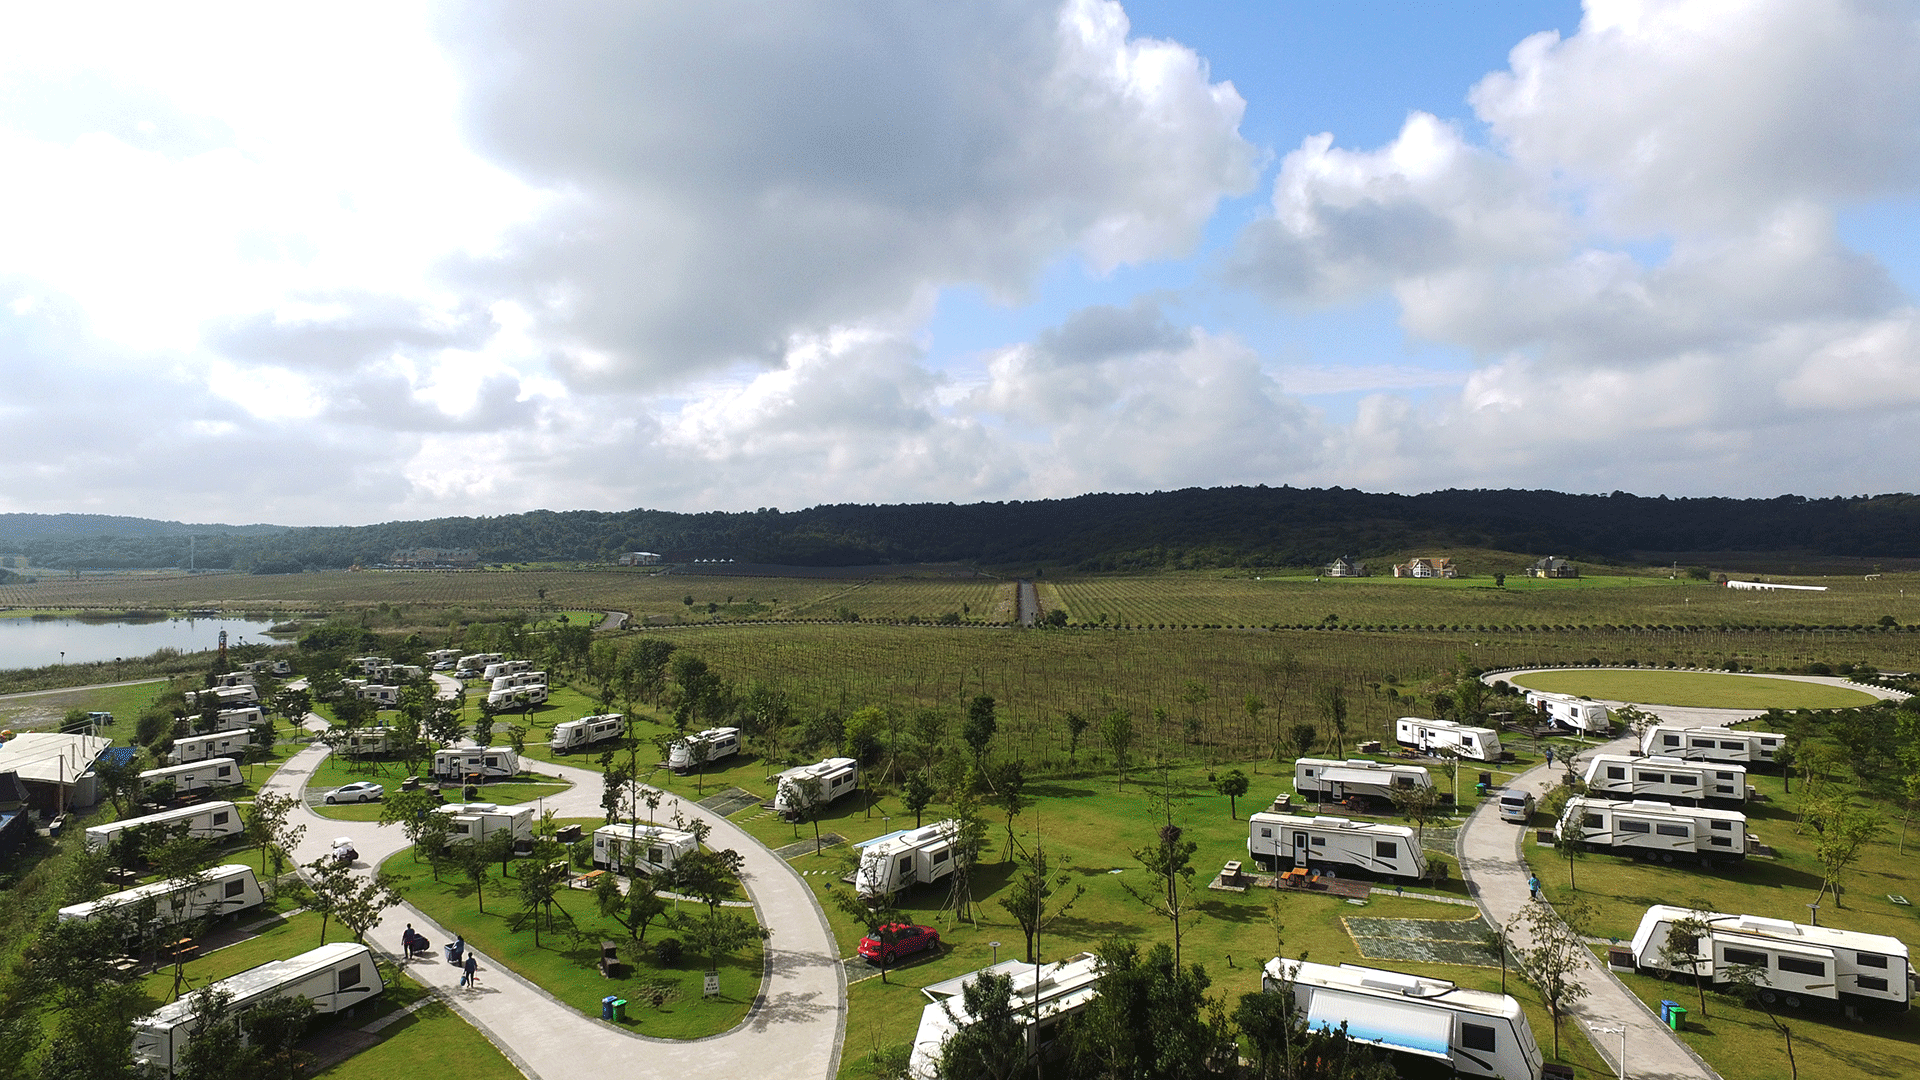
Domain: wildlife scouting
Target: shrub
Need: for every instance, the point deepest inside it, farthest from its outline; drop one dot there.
(667, 951)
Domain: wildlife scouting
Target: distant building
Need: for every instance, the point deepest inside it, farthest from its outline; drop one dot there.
(638, 558)
(1426, 568)
(55, 770)
(1553, 566)
(1346, 567)
(426, 558)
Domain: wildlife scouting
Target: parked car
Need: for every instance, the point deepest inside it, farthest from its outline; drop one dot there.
(358, 791)
(892, 941)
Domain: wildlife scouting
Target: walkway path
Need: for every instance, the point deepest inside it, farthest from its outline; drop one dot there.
(794, 1029)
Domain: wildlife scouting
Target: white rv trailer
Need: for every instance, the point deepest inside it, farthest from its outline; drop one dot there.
(474, 665)
(480, 820)
(333, 977)
(240, 719)
(1283, 841)
(379, 694)
(1445, 736)
(627, 847)
(221, 891)
(1476, 1032)
(836, 775)
(370, 664)
(1655, 830)
(228, 697)
(719, 742)
(201, 747)
(1576, 714)
(518, 679)
(890, 863)
(510, 699)
(212, 821)
(493, 763)
(241, 679)
(1668, 779)
(500, 668)
(195, 775)
(1804, 964)
(584, 732)
(364, 741)
(1713, 744)
(443, 658)
(1327, 780)
(1044, 995)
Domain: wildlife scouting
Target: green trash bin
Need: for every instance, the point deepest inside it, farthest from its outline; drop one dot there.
(619, 1010)
(1677, 1018)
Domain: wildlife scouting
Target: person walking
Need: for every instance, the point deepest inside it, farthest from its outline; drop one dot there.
(1549, 757)
(469, 979)
(1533, 885)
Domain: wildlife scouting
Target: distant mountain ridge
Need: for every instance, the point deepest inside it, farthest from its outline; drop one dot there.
(1195, 527)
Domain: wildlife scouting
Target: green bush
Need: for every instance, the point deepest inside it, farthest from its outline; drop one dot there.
(667, 951)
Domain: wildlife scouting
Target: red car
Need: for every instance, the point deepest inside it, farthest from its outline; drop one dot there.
(890, 942)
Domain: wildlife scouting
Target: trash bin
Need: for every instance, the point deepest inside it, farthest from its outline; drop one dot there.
(453, 953)
(620, 1010)
(1666, 1012)
(1481, 789)
(1486, 780)
(606, 1006)
(1677, 1018)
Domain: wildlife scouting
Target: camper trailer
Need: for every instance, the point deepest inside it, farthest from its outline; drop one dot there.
(1326, 780)
(1804, 965)
(836, 776)
(231, 744)
(1655, 831)
(718, 742)
(512, 699)
(221, 891)
(1283, 841)
(479, 820)
(1445, 736)
(443, 659)
(1667, 779)
(474, 665)
(518, 680)
(195, 776)
(236, 679)
(892, 862)
(228, 697)
(493, 763)
(241, 719)
(1575, 714)
(370, 664)
(212, 821)
(630, 848)
(502, 668)
(384, 696)
(1474, 1032)
(1516, 806)
(364, 742)
(333, 977)
(584, 732)
(1713, 744)
(1044, 995)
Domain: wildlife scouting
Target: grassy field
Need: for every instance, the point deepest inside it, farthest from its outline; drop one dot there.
(1697, 689)
(333, 772)
(41, 711)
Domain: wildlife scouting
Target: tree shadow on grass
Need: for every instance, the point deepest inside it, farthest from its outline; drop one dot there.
(1060, 791)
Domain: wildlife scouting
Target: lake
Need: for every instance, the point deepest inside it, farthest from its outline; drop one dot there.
(30, 643)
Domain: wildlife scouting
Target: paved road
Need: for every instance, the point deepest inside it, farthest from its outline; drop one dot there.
(1027, 603)
(794, 1029)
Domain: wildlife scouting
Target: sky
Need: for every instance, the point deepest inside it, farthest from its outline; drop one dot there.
(348, 263)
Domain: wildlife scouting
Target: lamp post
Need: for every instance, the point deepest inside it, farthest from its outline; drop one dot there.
(995, 946)
(1622, 1032)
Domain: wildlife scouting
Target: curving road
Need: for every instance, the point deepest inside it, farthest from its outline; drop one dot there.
(795, 1028)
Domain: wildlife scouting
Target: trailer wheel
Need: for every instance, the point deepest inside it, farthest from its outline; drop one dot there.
(1666, 856)
(1769, 997)
(1793, 1001)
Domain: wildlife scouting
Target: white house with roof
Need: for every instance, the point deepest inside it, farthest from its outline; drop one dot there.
(57, 769)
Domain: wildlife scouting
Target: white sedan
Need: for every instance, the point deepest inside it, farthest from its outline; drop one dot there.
(359, 791)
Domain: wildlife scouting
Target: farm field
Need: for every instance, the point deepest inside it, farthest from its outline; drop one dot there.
(1695, 689)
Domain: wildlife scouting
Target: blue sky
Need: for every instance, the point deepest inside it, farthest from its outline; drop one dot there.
(421, 259)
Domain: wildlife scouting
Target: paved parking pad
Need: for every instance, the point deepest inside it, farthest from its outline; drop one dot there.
(729, 802)
(1433, 941)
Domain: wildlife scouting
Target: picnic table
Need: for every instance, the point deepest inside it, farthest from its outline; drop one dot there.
(589, 879)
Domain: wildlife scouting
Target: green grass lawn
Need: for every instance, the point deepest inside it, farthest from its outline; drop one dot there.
(431, 1043)
(45, 710)
(334, 771)
(1696, 689)
(564, 963)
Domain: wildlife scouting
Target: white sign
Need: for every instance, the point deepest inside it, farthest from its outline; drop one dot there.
(713, 984)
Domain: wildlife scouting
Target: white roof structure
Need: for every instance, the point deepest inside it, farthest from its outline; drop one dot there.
(49, 757)
(1064, 986)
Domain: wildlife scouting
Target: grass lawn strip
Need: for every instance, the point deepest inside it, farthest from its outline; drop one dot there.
(1696, 689)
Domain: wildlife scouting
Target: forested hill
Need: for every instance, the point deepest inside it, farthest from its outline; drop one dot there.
(1258, 526)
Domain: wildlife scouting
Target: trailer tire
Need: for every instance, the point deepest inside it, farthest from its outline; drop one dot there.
(1769, 997)
(1666, 856)
(1792, 1001)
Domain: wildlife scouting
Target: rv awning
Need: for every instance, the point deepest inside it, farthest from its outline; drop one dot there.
(1391, 1025)
(1377, 777)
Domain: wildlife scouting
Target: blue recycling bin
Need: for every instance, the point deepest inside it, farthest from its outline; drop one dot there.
(606, 1006)
(1666, 1012)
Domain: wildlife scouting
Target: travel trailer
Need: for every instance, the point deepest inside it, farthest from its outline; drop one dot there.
(479, 820)
(1713, 744)
(370, 664)
(195, 776)
(211, 821)
(719, 742)
(630, 848)
(231, 744)
(228, 697)
(1667, 779)
(1576, 714)
(535, 694)
(1445, 736)
(1326, 780)
(518, 680)
(333, 977)
(241, 719)
(1516, 806)
(892, 862)
(1474, 1032)
(221, 891)
(1044, 995)
(584, 732)
(365, 742)
(1655, 831)
(493, 763)
(501, 668)
(474, 665)
(836, 777)
(236, 679)
(443, 659)
(1283, 841)
(384, 696)
(1804, 965)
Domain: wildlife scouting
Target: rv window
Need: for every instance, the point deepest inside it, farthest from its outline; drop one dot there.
(1319, 841)
(1721, 841)
(1651, 778)
(1671, 830)
(349, 977)
(1632, 826)
(1867, 959)
(1721, 826)
(1683, 780)
(1594, 821)
(906, 864)
(1403, 781)
(1266, 834)
(1800, 966)
(1746, 956)
(939, 857)
(235, 888)
(492, 761)
(1724, 775)
(657, 855)
(1383, 849)
(1733, 746)
(1768, 742)
(1871, 982)
(220, 818)
(1703, 744)
(1616, 772)
(1670, 740)
(1478, 1037)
